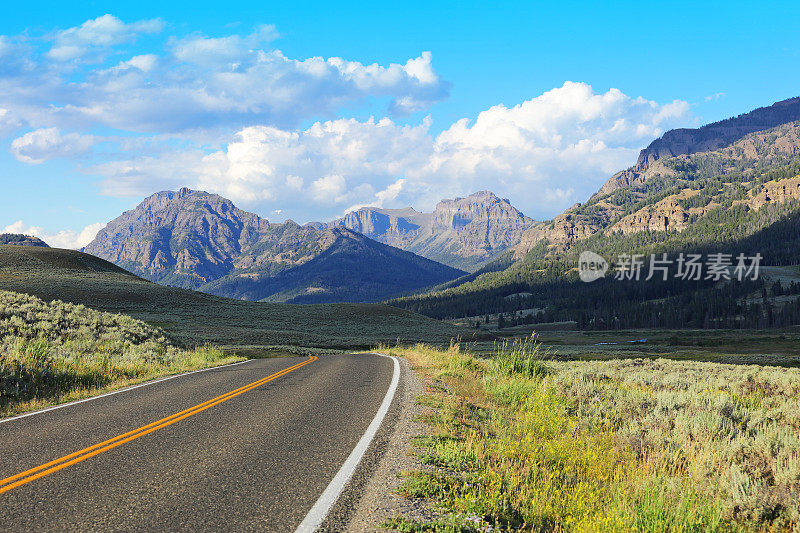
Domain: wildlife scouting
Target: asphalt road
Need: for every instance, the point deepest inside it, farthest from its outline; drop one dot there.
(258, 459)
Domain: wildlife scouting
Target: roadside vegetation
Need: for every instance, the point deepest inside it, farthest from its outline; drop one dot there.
(521, 441)
(55, 352)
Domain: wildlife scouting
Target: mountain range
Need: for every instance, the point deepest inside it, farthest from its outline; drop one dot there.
(731, 186)
(201, 241)
(465, 233)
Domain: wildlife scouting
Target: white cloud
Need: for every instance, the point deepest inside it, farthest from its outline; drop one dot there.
(544, 154)
(194, 83)
(228, 51)
(8, 122)
(221, 113)
(715, 96)
(95, 36)
(329, 188)
(144, 62)
(41, 145)
(63, 239)
(558, 194)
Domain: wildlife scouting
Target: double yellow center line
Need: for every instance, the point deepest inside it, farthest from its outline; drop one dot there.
(40, 471)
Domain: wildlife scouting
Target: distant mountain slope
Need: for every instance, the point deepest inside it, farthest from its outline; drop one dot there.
(352, 268)
(741, 197)
(730, 146)
(196, 318)
(21, 240)
(465, 233)
(708, 138)
(201, 241)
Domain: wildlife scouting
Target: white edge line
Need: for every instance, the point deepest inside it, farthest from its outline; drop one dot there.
(320, 510)
(118, 391)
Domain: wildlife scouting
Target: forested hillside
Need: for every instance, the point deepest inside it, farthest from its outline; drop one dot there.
(743, 198)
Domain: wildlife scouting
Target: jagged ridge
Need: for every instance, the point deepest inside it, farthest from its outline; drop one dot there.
(195, 240)
(464, 232)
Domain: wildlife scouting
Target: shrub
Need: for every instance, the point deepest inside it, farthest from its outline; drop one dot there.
(620, 445)
(55, 351)
(523, 357)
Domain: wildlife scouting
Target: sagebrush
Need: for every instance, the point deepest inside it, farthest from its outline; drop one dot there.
(525, 442)
(55, 351)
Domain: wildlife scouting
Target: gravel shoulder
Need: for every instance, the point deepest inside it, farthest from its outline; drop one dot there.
(371, 497)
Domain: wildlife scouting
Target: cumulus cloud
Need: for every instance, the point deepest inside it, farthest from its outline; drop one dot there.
(41, 145)
(63, 239)
(222, 113)
(94, 37)
(545, 154)
(193, 83)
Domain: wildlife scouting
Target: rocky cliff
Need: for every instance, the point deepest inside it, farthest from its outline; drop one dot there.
(764, 137)
(187, 238)
(463, 232)
(202, 241)
(708, 138)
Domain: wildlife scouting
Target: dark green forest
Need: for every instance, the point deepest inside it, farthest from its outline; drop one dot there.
(547, 282)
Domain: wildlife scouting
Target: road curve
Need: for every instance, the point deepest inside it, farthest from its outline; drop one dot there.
(245, 447)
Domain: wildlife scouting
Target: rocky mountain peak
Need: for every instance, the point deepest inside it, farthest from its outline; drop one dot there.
(196, 240)
(482, 206)
(190, 234)
(714, 136)
(460, 232)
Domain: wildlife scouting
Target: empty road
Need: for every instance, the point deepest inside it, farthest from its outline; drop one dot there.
(250, 446)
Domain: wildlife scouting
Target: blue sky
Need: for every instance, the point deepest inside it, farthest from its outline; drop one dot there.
(230, 102)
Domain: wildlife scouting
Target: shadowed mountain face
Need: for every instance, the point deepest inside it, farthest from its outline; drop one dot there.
(464, 233)
(195, 240)
(21, 240)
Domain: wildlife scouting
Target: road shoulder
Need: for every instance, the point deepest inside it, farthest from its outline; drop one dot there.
(371, 496)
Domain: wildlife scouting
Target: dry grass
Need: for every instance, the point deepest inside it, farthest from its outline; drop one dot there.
(621, 445)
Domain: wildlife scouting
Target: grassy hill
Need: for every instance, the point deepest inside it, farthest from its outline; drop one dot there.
(195, 318)
(54, 352)
(21, 240)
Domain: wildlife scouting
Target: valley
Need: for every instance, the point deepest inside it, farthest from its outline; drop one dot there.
(443, 268)
(735, 192)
